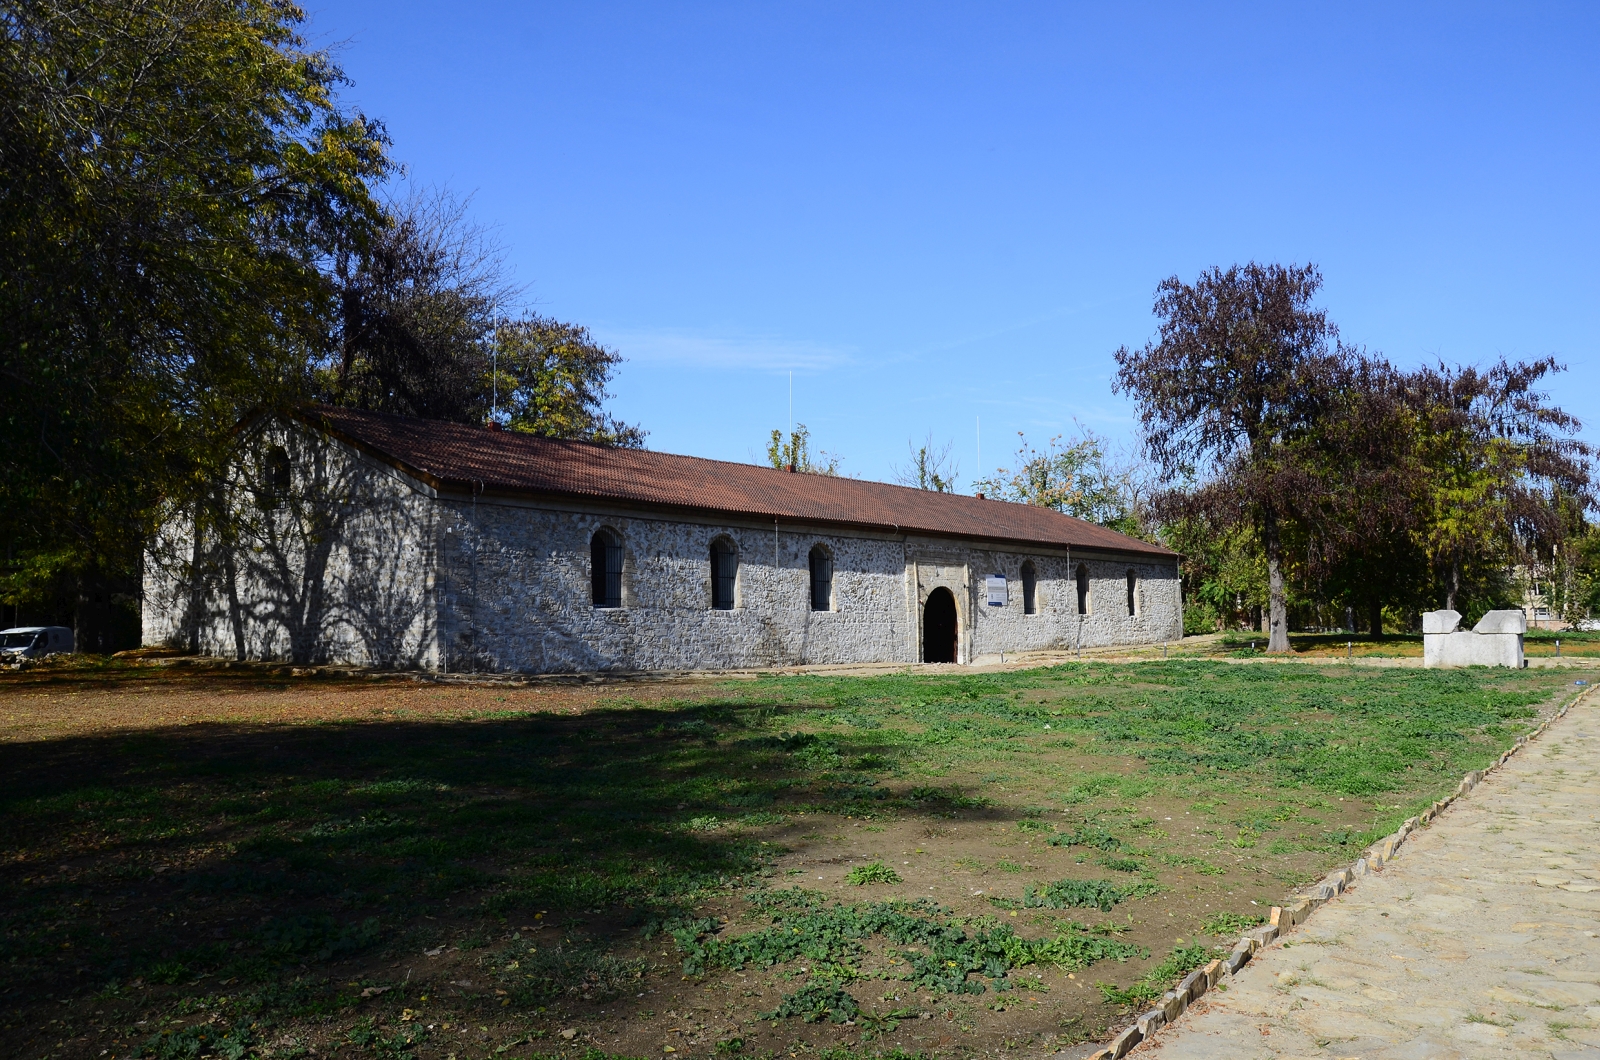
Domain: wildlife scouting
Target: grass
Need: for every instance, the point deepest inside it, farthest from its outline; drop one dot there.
(1537, 644)
(1231, 923)
(1180, 962)
(207, 888)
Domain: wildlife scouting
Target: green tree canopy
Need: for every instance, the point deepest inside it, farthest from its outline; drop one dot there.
(550, 379)
(175, 174)
(795, 454)
(1502, 478)
(1078, 478)
(930, 467)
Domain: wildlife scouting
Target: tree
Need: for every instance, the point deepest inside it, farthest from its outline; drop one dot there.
(1580, 577)
(1505, 479)
(1230, 394)
(930, 467)
(419, 301)
(552, 377)
(1078, 478)
(795, 454)
(175, 174)
(1224, 576)
(426, 328)
(1362, 516)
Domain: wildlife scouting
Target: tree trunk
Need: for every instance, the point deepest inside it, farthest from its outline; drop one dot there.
(1375, 617)
(1452, 585)
(1278, 619)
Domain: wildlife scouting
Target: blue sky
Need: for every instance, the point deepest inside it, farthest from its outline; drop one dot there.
(933, 213)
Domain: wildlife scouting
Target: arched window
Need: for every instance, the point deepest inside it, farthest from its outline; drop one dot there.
(276, 477)
(1083, 588)
(605, 569)
(821, 579)
(1028, 581)
(1133, 594)
(724, 573)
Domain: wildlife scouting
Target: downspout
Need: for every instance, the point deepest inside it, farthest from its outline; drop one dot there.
(477, 546)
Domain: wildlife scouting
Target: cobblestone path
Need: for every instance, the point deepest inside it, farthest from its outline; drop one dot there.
(1481, 940)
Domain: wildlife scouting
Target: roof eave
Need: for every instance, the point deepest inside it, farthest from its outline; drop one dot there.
(470, 486)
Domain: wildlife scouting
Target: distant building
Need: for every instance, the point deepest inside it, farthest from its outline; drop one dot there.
(1535, 580)
(388, 541)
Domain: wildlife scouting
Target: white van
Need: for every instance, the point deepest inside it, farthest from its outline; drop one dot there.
(31, 642)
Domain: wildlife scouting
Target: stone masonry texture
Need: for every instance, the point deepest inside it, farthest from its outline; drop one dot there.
(359, 563)
(1481, 939)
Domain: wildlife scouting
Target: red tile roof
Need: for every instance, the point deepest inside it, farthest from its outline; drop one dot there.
(456, 456)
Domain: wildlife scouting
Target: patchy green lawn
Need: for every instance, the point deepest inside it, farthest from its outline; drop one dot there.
(1537, 644)
(934, 863)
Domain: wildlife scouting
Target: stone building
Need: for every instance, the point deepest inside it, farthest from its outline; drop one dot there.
(388, 541)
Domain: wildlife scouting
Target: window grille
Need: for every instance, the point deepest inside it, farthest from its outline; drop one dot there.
(821, 579)
(276, 478)
(724, 572)
(1083, 588)
(605, 566)
(1028, 581)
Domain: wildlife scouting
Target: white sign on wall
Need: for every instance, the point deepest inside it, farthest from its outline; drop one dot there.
(996, 584)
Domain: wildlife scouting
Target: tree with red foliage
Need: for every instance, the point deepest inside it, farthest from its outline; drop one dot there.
(1233, 396)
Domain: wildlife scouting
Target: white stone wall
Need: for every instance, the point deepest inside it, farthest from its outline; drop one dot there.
(361, 564)
(517, 594)
(338, 568)
(1056, 624)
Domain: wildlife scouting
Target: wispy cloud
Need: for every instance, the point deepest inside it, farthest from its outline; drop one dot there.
(752, 352)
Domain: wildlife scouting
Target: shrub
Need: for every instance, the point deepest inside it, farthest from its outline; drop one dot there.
(1086, 836)
(1082, 894)
(877, 872)
(815, 1003)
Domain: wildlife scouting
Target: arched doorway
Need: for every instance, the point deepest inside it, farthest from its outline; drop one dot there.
(939, 626)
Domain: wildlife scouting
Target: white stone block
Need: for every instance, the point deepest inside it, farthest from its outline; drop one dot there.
(1472, 649)
(1502, 622)
(1441, 621)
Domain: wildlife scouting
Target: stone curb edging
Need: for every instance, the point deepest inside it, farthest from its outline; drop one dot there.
(1299, 908)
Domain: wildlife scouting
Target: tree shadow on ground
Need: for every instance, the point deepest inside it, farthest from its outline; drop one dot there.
(263, 853)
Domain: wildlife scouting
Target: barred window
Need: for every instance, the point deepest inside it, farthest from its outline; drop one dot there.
(821, 579)
(605, 569)
(724, 573)
(1029, 579)
(1083, 588)
(276, 477)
